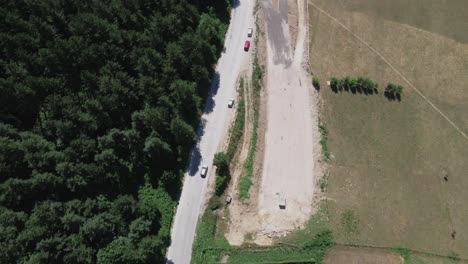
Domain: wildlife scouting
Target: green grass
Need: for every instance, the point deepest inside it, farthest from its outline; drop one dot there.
(323, 142)
(349, 222)
(309, 245)
(323, 182)
(404, 252)
(246, 180)
(237, 129)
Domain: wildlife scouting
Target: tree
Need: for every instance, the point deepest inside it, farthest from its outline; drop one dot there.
(119, 251)
(393, 91)
(334, 83)
(99, 107)
(222, 172)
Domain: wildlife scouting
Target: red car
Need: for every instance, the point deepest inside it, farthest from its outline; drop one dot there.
(247, 45)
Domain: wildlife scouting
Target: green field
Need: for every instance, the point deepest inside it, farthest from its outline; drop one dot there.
(386, 186)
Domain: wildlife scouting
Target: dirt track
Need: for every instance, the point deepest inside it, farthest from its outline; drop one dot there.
(290, 137)
(288, 165)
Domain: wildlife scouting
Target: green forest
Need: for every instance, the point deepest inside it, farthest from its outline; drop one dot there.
(100, 101)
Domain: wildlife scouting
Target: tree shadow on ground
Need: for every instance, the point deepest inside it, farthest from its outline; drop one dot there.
(195, 155)
(210, 103)
(392, 96)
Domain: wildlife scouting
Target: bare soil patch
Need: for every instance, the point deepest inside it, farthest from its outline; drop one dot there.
(355, 255)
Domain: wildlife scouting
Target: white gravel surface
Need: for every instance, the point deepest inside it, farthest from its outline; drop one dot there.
(288, 165)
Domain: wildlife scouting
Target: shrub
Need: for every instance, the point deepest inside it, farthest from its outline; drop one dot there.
(334, 83)
(214, 203)
(222, 172)
(221, 184)
(316, 82)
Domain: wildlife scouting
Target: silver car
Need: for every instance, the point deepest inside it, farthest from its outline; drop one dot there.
(250, 32)
(204, 171)
(231, 103)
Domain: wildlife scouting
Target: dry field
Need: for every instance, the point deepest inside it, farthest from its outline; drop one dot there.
(350, 255)
(386, 186)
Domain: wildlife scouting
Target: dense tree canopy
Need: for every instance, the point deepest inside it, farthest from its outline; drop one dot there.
(99, 104)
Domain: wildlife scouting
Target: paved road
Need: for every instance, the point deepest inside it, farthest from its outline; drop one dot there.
(214, 126)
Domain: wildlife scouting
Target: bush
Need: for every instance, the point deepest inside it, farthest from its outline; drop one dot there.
(222, 163)
(214, 203)
(316, 82)
(221, 184)
(323, 142)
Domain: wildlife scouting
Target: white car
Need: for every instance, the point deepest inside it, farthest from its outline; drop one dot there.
(204, 171)
(231, 103)
(250, 32)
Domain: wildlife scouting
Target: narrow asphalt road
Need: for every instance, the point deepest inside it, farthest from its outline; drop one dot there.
(214, 125)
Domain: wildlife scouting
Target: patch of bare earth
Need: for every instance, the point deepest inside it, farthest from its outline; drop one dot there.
(356, 255)
(287, 149)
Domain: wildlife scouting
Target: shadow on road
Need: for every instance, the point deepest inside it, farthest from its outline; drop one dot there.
(235, 3)
(195, 156)
(210, 103)
(276, 17)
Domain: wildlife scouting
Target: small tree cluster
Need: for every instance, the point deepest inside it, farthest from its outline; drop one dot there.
(353, 84)
(393, 91)
(222, 172)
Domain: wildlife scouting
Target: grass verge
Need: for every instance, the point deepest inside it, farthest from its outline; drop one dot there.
(237, 129)
(323, 142)
(246, 180)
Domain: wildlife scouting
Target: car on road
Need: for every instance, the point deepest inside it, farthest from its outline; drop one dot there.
(282, 201)
(231, 103)
(246, 45)
(250, 32)
(204, 171)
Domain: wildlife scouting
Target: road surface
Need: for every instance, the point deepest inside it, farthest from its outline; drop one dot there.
(288, 165)
(214, 125)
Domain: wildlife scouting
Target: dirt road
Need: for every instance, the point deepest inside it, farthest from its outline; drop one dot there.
(214, 125)
(288, 165)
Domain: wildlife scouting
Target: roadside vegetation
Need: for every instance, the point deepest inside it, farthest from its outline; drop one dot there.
(237, 129)
(246, 179)
(99, 107)
(316, 82)
(323, 142)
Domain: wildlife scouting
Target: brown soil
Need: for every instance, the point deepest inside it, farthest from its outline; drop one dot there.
(356, 255)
